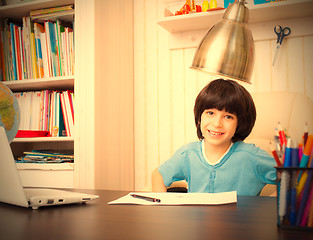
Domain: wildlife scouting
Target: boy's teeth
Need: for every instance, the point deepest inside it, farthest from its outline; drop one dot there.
(215, 133)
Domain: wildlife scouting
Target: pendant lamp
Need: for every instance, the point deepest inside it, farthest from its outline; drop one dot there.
(227, 50)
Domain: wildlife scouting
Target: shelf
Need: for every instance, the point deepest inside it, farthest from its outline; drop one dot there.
(19, 10)
(44, 139)
(45, 166)
(258, 13)
(54, 83)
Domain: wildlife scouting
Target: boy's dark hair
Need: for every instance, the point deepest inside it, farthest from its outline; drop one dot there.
(230, 96)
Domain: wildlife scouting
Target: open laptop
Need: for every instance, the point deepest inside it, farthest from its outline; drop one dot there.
(12, 191)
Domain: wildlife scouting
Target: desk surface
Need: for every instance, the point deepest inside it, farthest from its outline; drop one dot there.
(251, 218)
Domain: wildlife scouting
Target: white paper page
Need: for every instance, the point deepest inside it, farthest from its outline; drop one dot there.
(170, 198)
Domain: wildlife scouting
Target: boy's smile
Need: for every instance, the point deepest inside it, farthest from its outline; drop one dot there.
(215, 133)
(218, 127)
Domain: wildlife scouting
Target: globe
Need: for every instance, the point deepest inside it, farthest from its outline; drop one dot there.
(9, 112)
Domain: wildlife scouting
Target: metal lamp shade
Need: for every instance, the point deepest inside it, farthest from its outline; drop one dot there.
(227, 49)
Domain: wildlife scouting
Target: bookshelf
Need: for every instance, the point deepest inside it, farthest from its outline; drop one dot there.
(104, 129)
(42, 175)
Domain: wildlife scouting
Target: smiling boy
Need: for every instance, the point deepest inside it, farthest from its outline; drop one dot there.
(224, 115)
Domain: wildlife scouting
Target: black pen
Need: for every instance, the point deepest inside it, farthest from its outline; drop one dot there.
(146, 198)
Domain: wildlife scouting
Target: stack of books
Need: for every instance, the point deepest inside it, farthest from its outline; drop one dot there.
(49, 13)
(46, 156)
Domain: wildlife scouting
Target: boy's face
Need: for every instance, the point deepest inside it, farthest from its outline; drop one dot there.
(218, 127)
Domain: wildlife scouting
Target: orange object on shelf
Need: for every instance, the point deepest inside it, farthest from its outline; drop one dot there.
(198, 8)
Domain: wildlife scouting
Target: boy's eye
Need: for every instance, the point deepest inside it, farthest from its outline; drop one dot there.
(210, 113)
(229, 117)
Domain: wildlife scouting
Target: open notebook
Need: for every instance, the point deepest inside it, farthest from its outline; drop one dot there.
(12, 191)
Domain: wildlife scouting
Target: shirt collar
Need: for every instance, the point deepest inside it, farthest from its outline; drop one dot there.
(207, 160)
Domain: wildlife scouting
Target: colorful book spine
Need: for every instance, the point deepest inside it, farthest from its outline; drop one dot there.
(53, 48)
(17, 40)
(38, 29)
(57, 26)
(15, 77)
(33, 52)
(65, 115)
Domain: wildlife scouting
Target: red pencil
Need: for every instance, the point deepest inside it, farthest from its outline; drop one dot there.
(275, 155)
(282, 135)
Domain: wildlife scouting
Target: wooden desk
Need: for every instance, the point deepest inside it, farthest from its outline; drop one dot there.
(251, 218)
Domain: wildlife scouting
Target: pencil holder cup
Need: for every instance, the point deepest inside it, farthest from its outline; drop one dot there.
(295, 198)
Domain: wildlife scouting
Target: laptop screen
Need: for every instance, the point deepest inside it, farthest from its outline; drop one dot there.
(11, 188)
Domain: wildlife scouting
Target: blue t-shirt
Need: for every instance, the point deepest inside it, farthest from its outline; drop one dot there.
(245, 168)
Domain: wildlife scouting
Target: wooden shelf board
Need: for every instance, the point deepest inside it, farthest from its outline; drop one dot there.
(45, 166)
(44, 139)
(257, 14)
(55, 83)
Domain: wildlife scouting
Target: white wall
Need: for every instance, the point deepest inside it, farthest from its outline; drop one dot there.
(165, 88)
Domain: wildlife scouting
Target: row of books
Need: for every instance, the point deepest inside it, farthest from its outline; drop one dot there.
(46, 156)
(30, 50)
(47, 110)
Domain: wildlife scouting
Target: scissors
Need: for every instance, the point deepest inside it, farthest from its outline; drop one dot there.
(281, 34)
